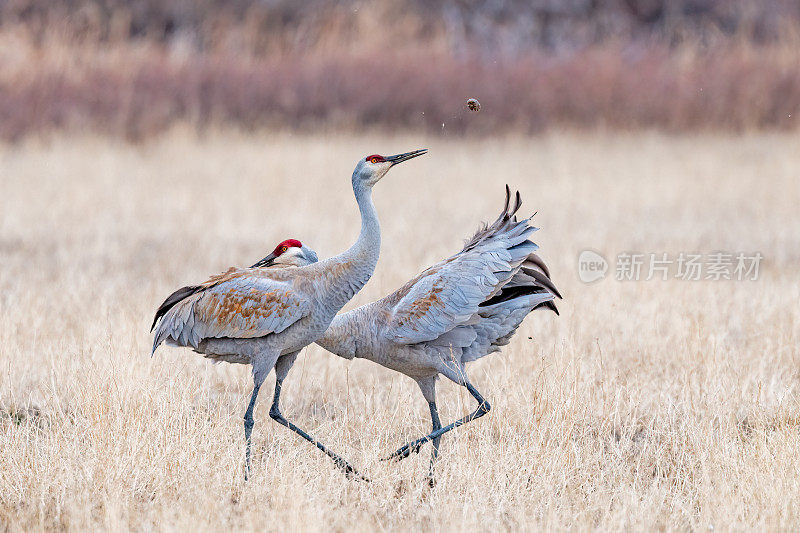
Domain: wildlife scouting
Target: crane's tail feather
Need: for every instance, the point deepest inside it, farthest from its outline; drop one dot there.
(530, 278)
(502, 224)
(172, 299)
(528, 273)
(542, 280)
(534, 261)
(549, 305)
(177, 321)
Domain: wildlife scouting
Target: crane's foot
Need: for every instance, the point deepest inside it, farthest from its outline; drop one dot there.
(247, 465)
(406, 450)
(349, 471)
(247, 461)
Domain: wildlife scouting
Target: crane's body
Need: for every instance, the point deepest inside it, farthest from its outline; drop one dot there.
(263, 316)
(243, 313)
(456, 311)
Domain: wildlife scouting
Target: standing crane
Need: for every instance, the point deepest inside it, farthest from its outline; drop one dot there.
(455, 312)
(264, 315)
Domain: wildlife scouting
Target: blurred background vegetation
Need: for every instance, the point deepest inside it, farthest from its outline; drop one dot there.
(135, 68)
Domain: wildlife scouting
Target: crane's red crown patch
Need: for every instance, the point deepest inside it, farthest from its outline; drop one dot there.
(285, 245)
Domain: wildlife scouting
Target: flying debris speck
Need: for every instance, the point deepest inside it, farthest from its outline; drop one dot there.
(473, 105)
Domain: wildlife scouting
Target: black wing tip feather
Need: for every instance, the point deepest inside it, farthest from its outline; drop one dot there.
(508, 211)
(546, 282)
(172, 300)
(538, 262)
(506, 295)
(159, 314)
(550, 305)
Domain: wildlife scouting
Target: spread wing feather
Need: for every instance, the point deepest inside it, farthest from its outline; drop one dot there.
(449, 294)
(240, 304)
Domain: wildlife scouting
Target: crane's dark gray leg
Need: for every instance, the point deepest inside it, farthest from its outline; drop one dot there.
(437, 425)
(248, 428)
(483, 408)
(282, 367)
(428, 388)
(261, 368)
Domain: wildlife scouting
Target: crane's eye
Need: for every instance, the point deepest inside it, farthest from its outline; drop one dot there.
(374, 160)
(284, 248)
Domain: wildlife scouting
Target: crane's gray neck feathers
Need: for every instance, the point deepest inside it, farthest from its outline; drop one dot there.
(369, 240)
(351, 270)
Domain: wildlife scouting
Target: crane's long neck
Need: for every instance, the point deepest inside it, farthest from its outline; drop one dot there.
(350, 271)
(368, 244)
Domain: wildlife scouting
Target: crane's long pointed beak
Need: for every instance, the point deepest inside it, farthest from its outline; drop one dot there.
(399, 158)
(267, 261)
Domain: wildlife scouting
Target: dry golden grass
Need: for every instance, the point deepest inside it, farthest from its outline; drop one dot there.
(667, 405)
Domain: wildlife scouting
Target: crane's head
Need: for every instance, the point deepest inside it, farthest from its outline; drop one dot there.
(290, 252)
(372, 168)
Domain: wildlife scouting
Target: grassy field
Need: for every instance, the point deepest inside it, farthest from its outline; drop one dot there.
(651, 404)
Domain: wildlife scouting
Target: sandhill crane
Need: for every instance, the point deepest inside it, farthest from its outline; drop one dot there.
(264, 316)
(456, 311)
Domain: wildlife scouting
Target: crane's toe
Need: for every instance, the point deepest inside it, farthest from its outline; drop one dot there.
(349, 471)
(406, 450)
